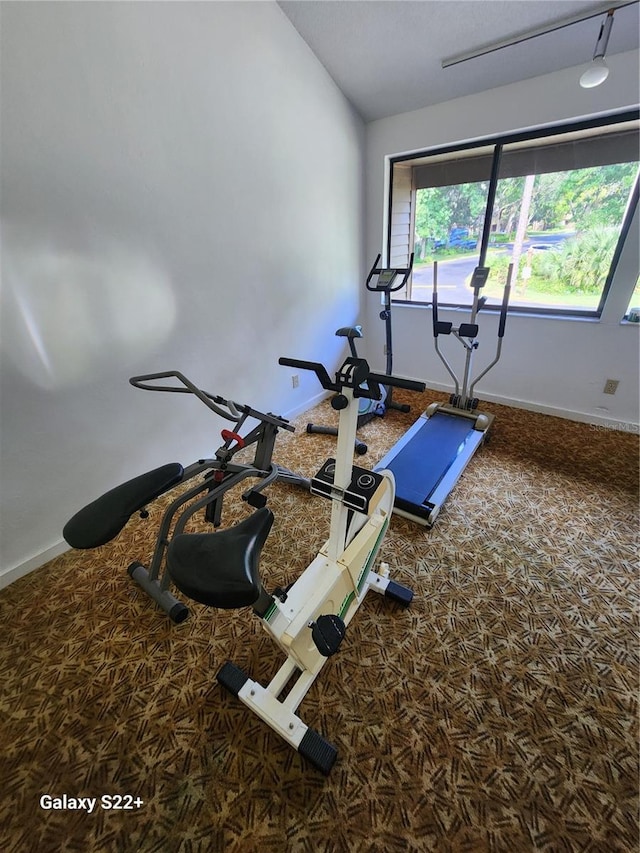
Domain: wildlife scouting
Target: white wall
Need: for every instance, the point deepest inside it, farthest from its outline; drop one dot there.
(181, 188)
(552, 365)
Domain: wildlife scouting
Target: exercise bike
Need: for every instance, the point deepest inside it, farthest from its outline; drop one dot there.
(308, 620)
(384, 281)
(103, 519)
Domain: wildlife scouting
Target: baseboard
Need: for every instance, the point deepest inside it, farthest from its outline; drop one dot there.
(8, 576)
(307, 405)
(599, 421)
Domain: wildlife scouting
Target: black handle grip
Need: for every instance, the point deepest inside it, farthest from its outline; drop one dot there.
(314, 366)
(505, 302)
(397, 382)
(503, 311)
(434, 313)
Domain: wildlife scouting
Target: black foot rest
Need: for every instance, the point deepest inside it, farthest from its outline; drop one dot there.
(232, 678)
(318, 751)
(402, 594)
(102, 520)
(221, 569)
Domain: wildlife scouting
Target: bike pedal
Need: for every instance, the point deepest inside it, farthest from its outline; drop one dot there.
(327, 632)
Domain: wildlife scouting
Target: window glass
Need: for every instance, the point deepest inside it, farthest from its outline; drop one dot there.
(448, 228)
(560, 208)
(558, 215)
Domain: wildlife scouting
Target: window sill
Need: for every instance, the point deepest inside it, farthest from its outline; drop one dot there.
(514, 311)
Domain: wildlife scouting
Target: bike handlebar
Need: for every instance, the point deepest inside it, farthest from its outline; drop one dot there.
(315, 367)
(397, 382)
(227, 409)
(326, 382)
(405, 272)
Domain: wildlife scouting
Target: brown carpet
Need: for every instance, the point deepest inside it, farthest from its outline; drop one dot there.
(498, 713)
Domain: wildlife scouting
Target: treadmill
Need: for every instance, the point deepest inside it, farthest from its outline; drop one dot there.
(430, 457)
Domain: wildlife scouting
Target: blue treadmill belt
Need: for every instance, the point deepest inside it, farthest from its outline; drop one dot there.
(422, 463)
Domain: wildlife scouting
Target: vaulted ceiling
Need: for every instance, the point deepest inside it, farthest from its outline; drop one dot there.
(386, 55)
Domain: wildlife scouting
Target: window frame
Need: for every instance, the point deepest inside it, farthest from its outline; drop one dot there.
(497, 143)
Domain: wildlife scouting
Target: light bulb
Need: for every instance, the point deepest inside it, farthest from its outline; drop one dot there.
(595, 74)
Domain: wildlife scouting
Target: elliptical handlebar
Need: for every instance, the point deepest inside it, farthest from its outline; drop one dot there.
(392, 272)
(505, 303)
(227, 409)
(501, 327)
(479, 303)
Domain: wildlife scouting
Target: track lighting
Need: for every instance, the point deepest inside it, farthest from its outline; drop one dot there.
(595, 74)
(598, 71)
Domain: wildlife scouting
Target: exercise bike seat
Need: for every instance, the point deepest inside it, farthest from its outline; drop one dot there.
(221, 569)
(349, 332)
(100, 521)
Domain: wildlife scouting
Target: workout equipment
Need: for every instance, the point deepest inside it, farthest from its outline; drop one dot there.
(308, 620)
(103, 519)
(368, 409)
(431, 456)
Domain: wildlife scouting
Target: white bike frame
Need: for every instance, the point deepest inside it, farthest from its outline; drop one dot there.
(335, 582)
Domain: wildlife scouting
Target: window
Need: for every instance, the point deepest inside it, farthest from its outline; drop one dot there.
(633, 310)
(556, 206)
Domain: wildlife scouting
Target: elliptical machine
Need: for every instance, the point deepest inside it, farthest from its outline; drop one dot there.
(432, 455)
(368, 409)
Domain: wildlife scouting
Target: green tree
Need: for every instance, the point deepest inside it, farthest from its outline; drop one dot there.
(439, 209)
(432, 214)
(595, 196)
(583, 263)
(507, 203)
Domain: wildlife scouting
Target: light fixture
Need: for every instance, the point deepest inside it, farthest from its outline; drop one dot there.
(598, 71)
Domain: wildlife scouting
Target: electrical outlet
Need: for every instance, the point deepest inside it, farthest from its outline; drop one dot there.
(295, 380)
(611, 386)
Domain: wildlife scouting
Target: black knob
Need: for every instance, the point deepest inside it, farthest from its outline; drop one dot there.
(339, 402)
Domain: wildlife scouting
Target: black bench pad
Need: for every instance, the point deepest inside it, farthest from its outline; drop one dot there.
(221, 569)
(100, 521)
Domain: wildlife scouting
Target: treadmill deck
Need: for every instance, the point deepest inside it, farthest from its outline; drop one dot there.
(428, 460)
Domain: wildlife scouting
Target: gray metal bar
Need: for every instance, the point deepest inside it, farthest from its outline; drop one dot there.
(531, 34)
(442, 358)
(503, 311)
